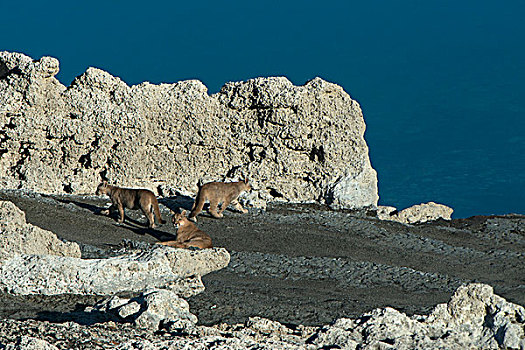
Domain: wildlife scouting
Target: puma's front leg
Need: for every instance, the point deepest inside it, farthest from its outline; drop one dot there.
(239, 207)
(121, 213)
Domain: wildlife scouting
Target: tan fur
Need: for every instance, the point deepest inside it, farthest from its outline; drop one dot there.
(219, 192)
(188, 234)
(131, 198)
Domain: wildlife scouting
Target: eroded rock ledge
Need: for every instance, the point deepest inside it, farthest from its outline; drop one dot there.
(36, 262)
(295, 143)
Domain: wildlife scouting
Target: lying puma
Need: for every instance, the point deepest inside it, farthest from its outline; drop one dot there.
(188, 235)
(219, 192)
(131, 198)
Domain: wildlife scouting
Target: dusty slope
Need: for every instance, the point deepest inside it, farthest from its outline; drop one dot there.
(307, 264)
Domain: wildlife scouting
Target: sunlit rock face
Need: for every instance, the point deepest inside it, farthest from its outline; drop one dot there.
(294, 143)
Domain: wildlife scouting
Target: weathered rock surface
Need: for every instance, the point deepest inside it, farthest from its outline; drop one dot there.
(30, 343)
(178, 270)
(151, 310)
(474, 318)
(295, 143)
(19, 237)
(418, 213)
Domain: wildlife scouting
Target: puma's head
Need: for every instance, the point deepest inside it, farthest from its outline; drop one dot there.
(102, 188)
(179, 219)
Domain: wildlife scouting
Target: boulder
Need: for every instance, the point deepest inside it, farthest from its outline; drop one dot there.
(474, 318)
(178, 270)
(19, 237)
(151, 310)
(415, 214)
(294, 143)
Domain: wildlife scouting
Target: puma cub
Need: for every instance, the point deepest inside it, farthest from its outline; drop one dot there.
(219, 192)
(188, 234)
(131, 198)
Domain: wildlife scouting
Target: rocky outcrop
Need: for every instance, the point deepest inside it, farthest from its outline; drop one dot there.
(178, 270)
(416, 214)
(151, 310)
(295, 143)
(474, 318)
(19, 237)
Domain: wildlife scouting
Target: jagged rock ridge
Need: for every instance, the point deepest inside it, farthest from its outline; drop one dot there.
(295, 143)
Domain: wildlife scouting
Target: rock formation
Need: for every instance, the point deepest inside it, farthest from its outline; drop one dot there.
(150, 310)
(415, 214)
(295, 143)
(178, 270)
(19, 237)
(35, 261)
(474, 318)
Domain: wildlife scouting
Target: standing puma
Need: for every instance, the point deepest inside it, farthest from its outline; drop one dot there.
(131, 198)
(188, 235)
(219, 192)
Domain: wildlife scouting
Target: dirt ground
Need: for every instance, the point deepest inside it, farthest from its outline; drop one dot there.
(305, 264)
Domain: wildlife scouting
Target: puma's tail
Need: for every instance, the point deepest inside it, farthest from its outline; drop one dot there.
(197, 205)
(199, 186)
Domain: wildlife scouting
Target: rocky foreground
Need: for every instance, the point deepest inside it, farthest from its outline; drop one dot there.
(474, 318)
(349, 280)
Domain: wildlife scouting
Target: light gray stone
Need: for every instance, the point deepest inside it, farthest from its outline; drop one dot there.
(473, 318)
(151, 310)
(294, 143)
(159, 267)
(19, 237)
(416, 214)
(31, 343)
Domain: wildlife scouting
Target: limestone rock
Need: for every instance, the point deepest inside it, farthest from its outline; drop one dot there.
(31, 343)
(416, 214)
(178, 270)
(473, 318)
(150, 310)
(295, 143)
(19, 237)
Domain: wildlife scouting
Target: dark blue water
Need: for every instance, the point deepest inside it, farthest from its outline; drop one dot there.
(441, 83)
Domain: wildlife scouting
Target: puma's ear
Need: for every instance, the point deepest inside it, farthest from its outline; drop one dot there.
(184, 212)
(172, 212)
(105, 182)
